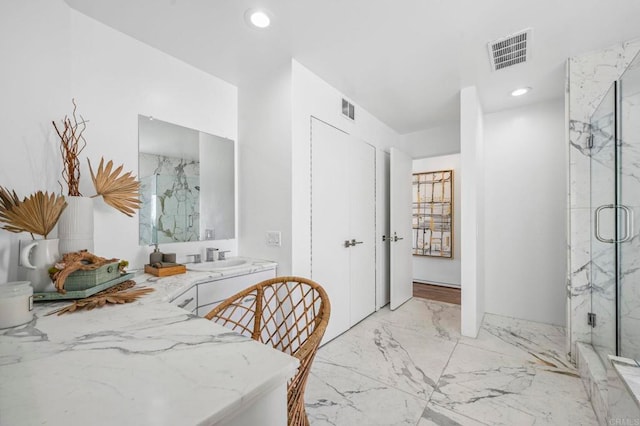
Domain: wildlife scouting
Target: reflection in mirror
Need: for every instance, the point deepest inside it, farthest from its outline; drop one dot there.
(187, 182)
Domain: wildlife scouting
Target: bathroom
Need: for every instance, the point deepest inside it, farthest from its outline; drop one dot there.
(518, 271)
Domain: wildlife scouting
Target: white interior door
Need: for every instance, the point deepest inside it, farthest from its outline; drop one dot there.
(382, 231)
(400, 211)
(330, 221)
(362, 228)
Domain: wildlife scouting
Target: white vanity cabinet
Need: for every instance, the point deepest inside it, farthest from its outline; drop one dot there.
(187, 300)
(211, 293)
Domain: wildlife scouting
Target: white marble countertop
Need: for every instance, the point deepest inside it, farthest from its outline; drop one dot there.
(629, 372)
(168, 288)
(147, 362)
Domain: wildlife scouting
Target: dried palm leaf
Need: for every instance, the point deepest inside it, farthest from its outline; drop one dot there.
(8, 201)
(37, 214)
(120, 192)
(116, 295)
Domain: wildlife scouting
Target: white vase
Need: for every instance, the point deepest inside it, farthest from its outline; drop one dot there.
(36, 257)
(75, 227)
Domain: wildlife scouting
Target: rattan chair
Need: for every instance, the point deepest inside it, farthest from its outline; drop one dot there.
(288, 313)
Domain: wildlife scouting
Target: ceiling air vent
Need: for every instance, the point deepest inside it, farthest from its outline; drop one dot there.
(348, 110)
(510, 50)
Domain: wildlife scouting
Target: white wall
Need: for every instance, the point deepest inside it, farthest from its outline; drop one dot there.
(441, 270)
(34, 87)
(314, 97)
(265, 166)
(435, 141)
(525, 169)
(114, 78)
(64, 54)
(472, 214)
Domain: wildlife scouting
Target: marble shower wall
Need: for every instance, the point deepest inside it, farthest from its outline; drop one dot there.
(175, 183)
(589, 78)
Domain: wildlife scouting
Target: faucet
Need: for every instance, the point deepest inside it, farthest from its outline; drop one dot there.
(197, 258)
(211, 254)
(221, 255)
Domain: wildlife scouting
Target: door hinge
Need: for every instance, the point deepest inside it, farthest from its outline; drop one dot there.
(591, 319)
(590, 142)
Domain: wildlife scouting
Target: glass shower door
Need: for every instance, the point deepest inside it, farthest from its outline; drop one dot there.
(629, 197)
(604, 218)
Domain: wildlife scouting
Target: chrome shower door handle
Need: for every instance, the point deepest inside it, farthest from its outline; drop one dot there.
(597, 223)
(628, 223)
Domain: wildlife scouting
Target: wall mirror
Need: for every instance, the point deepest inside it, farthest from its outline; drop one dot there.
(187, 184)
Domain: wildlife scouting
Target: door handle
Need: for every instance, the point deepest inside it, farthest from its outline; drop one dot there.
(351, 243)
(385, 239)
(185, 303)
(396, 238)
(628, 223)
(597, 223)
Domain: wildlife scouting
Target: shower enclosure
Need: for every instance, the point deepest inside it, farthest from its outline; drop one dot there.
(615, 201)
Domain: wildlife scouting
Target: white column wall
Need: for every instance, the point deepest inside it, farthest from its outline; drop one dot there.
(472, 215)
(265, 167)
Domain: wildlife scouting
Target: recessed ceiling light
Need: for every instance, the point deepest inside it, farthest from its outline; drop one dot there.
(521, 91)
(258, 18)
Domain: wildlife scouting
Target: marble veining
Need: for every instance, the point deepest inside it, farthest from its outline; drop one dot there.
(168, 288)
(411, 366)
(147, 362)
(170, 199)
(589, 77)
(629, 372)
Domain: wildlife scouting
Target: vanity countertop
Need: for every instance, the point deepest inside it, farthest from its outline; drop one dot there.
(168, 288)
(147, 362)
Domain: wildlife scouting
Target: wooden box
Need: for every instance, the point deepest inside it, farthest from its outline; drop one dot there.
(165, 271)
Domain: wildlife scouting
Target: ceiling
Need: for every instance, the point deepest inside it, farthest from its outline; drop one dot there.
(404, 61)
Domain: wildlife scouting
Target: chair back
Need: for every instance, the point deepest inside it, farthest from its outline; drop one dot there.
(289, 313)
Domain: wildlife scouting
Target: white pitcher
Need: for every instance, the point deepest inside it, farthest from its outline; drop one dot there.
(36, 257)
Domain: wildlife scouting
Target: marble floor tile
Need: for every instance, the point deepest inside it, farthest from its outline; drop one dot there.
(539, 343)
(411, 367)
(428, 317)
(338, 396)
(497, 389)
(400, 357)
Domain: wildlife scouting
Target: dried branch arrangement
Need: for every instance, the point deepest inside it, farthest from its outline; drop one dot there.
(36, 214)
(118, 294)
(121, 192)
(71, 145)
(75, 261)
